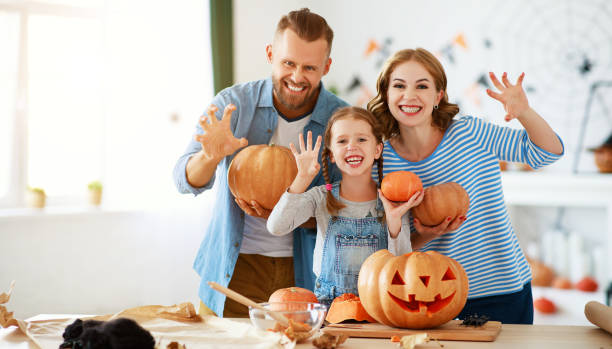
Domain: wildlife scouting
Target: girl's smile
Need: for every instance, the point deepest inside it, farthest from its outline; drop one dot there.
(354, 160)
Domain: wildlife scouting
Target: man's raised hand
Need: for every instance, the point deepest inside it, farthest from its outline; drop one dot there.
(218, 140)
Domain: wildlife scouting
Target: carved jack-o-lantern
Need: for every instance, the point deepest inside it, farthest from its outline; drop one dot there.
(415, 290)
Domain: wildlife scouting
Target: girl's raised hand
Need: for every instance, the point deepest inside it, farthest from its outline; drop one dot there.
(395, 210)
(307, 159)
(398, 209)
(513, 97)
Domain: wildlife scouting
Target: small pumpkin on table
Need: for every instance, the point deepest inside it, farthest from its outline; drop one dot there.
(345, 307)
(281, 299)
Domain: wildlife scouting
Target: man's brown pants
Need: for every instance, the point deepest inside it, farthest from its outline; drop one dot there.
(255, 277)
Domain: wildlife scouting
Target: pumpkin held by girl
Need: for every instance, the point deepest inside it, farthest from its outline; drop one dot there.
(415, 290)
(400, 185)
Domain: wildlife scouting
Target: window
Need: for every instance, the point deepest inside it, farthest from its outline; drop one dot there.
(104, 90)
(9, 37)
(64, 150)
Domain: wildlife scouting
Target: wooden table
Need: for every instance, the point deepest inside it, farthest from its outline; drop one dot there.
(510, 337)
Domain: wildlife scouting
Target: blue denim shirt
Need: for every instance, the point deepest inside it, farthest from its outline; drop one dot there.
(255, 118)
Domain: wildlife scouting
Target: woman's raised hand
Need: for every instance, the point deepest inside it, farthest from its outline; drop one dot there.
(307, 159)
(513, 97)
(218, 140)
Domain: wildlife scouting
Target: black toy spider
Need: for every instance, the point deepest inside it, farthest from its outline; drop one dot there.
(475, 320)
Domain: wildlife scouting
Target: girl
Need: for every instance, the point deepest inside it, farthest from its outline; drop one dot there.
(423, 137)
(349, 217)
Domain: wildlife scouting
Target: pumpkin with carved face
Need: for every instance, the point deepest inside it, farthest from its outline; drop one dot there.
(415, 290)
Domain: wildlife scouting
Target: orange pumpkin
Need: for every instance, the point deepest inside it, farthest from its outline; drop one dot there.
(415, 290)
(587, 284)
(293, 294)
(347, 306)
(261, 173)
(292, 299)
(441, 201)
(400, 185)
(545, 305)
(541, 274)
(561, 282)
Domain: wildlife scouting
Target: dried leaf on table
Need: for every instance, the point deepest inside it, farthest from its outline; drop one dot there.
(296, 331)
(408, 342)
(328, 341)
(6, 317)
(6, 296)
(184, 312)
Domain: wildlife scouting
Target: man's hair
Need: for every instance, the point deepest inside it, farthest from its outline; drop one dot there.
(307, 25)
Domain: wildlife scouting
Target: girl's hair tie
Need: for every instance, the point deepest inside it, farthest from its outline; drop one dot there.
(328, 187)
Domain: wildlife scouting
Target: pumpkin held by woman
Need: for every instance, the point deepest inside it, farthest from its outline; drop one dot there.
(415, 290)
(347, 306)
(441, 201)
(261, 173)
(400, 185)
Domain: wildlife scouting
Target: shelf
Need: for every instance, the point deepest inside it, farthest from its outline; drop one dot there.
(557, 189)
(586, 190)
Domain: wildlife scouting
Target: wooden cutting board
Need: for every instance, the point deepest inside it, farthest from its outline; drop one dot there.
(450, 331)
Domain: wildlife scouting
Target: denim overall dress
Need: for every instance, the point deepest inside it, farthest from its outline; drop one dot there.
(348, 242)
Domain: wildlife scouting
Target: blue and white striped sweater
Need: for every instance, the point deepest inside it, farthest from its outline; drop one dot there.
(485, 244)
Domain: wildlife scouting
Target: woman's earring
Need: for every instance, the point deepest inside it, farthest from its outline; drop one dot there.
(435, 107)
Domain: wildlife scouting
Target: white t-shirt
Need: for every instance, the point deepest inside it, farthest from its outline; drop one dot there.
(256, 238)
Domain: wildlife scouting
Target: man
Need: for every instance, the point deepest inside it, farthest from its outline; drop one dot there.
(237, 250)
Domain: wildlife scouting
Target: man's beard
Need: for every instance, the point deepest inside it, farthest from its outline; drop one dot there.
(292, 102)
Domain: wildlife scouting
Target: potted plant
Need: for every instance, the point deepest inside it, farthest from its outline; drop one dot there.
(35, 197)
(95, 193)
